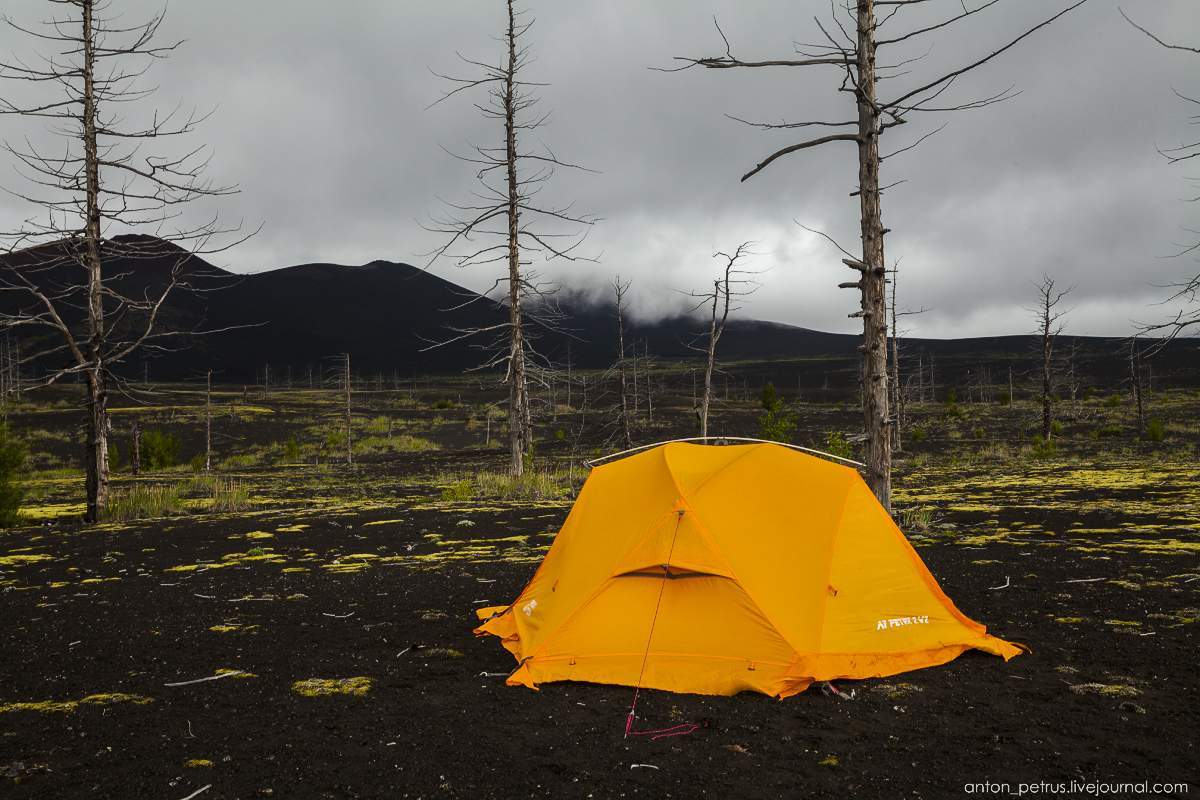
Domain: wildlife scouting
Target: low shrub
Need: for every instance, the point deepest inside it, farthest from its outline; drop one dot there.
(1056, 428)
(777, 423)
(918, 433)
(1113, 401)
(836, 445)
(1156, 431)
(160, 449)
(1044, 448)
(1109, 431)
(12, 473)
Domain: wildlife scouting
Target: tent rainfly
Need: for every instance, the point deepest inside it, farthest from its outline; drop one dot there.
(716, 570)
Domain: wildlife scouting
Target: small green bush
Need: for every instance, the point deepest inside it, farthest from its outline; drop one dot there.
(776, 423)
(918, 434)
(1156, 431)
(836, 445)
(291, 450)
(1110, 431)
(1044, 448)
(1113, 401)
(160, 450)
(979, 433)
(12, 473)
(1056, 428)
(443, 403)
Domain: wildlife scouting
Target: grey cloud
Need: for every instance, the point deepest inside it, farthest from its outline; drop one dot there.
(322, 120)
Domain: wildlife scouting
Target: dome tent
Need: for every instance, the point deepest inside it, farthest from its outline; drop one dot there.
(715, 570)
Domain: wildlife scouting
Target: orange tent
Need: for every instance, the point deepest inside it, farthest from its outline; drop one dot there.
(714, 570)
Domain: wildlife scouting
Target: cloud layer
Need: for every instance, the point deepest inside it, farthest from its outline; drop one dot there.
(322, 119)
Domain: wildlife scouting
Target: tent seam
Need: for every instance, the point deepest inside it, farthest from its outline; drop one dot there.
(837, 534)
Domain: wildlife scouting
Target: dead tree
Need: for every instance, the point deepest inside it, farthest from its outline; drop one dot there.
(733, 281)
(619, 289)
(346, 385)
(898, 400)
(135, 461)
(99, 177)
(1049, 317)
(849, 48)
(1186, 293)
(1135, 383)
(208, 421)
(508, 213)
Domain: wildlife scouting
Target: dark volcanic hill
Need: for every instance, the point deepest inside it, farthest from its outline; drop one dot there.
(387, 315)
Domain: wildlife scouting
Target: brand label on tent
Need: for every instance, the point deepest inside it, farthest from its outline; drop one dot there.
(900, 622)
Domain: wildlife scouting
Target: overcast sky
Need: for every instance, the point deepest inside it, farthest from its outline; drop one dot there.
(321, 117)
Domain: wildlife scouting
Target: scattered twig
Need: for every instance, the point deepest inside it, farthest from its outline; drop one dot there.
(198, 792)
(1086, 580)
(205, 596)
(405, 650)
(217, 677)
(338, 616)
(1005, 585)
(631, 766)
(189, 722)
(493, 674)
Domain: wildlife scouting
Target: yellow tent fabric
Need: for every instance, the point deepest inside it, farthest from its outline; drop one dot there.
(720, 569)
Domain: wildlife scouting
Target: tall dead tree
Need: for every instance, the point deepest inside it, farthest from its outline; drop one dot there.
(733, 281)
(849, 47)
(98, 179)
(1049, 317)
(619, 289)
(512, 175)
(346, 388)
(1135, 383)
(208, 421)
(898, 400)
(1185, 293)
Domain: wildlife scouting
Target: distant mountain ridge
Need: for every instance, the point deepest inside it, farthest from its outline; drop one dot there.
(389, 315)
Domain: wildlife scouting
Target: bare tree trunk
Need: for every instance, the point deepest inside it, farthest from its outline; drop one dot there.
(897, 391)
(1049, 328)
(1135, 383)
(97, 402)
(135, 465)
(710, 357)
(649, 386)
(349, 431)
(519, 436)
(208, 422)
(873, 281)
(625, 432)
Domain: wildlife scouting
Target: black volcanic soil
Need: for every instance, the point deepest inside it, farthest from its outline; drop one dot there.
(438, 721)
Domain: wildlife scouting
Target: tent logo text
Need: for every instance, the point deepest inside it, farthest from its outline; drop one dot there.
(899, 622)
